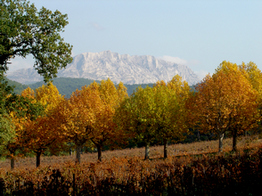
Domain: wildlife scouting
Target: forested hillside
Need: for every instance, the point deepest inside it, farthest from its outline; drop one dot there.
(68, 85)
(18, 87)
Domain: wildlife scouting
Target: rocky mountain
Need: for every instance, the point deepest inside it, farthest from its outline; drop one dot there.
(107, 64)
(25, 76)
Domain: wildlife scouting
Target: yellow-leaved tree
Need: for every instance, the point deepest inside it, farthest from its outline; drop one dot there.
(155, 113)
(170, 114)
(105, 130)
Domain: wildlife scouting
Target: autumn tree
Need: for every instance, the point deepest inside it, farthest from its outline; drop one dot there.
(104, 131)
(29, 93)
(223, 101)
(138, 116)
(170, 111)
(22, 110)
(41, 133)
(14, 110)
(249, 116)
(74, 117)
(254, 75)
(24, 30)
(88, 115)
(42, 136)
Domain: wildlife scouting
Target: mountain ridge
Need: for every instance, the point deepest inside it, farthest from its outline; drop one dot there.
(125, 68)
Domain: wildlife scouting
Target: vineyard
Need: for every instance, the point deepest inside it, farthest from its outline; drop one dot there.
(191, 169)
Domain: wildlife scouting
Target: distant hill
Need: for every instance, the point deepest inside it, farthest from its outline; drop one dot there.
(18, 86)
(128, 69)
(68, 85)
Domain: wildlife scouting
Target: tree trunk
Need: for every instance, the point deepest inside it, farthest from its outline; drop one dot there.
(78, 154)
(221, 137)
(234, 148)
(12, 163)
(198, 135)
(38, 155)
(165, 148)
(147, 151)
(99, 151)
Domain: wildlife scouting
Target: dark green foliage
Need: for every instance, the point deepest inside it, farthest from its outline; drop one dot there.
(66, 86)
(131, 88)
(18, 87)
(5, 89)
(23, 106)
(12, 102)
(24, 30)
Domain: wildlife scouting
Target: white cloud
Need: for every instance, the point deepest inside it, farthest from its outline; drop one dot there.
(201, 74)
(193, 64)
(176, 60)
(97, 26)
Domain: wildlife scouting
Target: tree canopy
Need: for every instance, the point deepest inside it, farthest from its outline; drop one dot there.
(155, 113)
(24, 30)
(224, 102)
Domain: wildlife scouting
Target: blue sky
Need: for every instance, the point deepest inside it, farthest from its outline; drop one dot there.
(198, 33)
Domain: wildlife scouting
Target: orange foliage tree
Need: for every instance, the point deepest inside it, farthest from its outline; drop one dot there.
(74, 117)
(41, 133)
(223, 102)
(88, 115)
(104, 131)
(248, 120)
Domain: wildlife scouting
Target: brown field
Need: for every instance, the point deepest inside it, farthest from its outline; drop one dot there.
(156, 153)
(191, 169)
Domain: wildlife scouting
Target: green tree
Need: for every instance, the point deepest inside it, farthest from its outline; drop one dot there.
(22, 110)
(24, 30)
(170, 113)
(5, 91)
(137, 116)
(7, 132)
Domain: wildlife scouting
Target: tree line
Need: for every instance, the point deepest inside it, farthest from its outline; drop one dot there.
(103, 115)
(66, 85)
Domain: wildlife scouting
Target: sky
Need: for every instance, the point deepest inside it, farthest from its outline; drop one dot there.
(198, 33)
